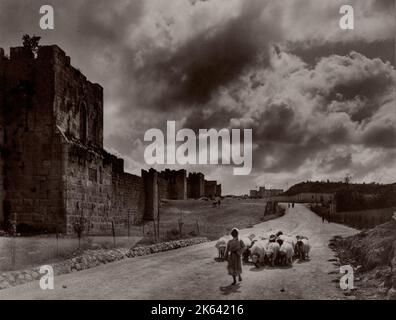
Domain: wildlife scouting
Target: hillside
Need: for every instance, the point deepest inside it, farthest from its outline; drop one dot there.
(333, 187)
(199, 217)
(373, 256)
(351, 197)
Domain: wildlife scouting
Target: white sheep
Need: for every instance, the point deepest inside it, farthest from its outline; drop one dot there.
(286, 252)
(221, 246)
(303, 247)
(248, 241)
(257, 252)
(289, 239)
(271, 252)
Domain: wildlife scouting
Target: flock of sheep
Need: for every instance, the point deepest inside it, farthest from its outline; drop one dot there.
(278, 249)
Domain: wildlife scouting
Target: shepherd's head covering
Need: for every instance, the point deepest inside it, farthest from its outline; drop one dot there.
(233, 231)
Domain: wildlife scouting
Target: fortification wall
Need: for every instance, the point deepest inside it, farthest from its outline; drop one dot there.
(56, 168)
(152, 194)
(98, 189)
(32, 168)
(196, 185)
(88, 188)
(53, 168)
(175, 182)
(128, 201)
(163, 188)
(218, 190)
(78, 103)
(210, 188)
(178, 185)
(2, 61)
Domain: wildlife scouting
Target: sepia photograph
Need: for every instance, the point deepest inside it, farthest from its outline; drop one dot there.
(197, 150)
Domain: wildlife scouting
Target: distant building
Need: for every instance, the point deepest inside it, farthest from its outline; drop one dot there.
(254, 194)
(314, 197)
(263, 193)
(267, 193)
(210, 189)
(308, 197)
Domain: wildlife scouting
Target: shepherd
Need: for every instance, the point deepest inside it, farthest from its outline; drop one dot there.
(233, 255)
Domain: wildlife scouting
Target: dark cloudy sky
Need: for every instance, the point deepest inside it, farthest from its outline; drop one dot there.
(320, 100)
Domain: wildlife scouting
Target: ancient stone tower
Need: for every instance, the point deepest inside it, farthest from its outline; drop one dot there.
(196, 185)
(54, 171)
(54, 168)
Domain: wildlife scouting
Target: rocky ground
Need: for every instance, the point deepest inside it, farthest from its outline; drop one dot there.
(372, 253)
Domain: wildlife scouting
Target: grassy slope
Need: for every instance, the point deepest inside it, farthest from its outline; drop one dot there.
(332, 187)
(213, 222)
(373, 253)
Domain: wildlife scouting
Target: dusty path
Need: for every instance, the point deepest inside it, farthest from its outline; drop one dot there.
(192, 273)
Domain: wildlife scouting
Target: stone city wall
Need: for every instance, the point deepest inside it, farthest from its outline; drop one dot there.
(54, 172)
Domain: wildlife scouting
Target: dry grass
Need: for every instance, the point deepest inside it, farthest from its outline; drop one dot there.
(199, 218)
(373, 253)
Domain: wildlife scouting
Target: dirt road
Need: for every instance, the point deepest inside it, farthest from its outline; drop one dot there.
(193, 273)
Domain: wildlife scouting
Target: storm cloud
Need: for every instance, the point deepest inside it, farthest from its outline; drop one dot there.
(320, 100)
(297, 112)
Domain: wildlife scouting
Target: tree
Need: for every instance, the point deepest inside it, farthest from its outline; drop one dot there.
(31, 43)
(79, 227)
(347, 178)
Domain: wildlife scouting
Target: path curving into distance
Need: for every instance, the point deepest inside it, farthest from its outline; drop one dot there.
(193, 273)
